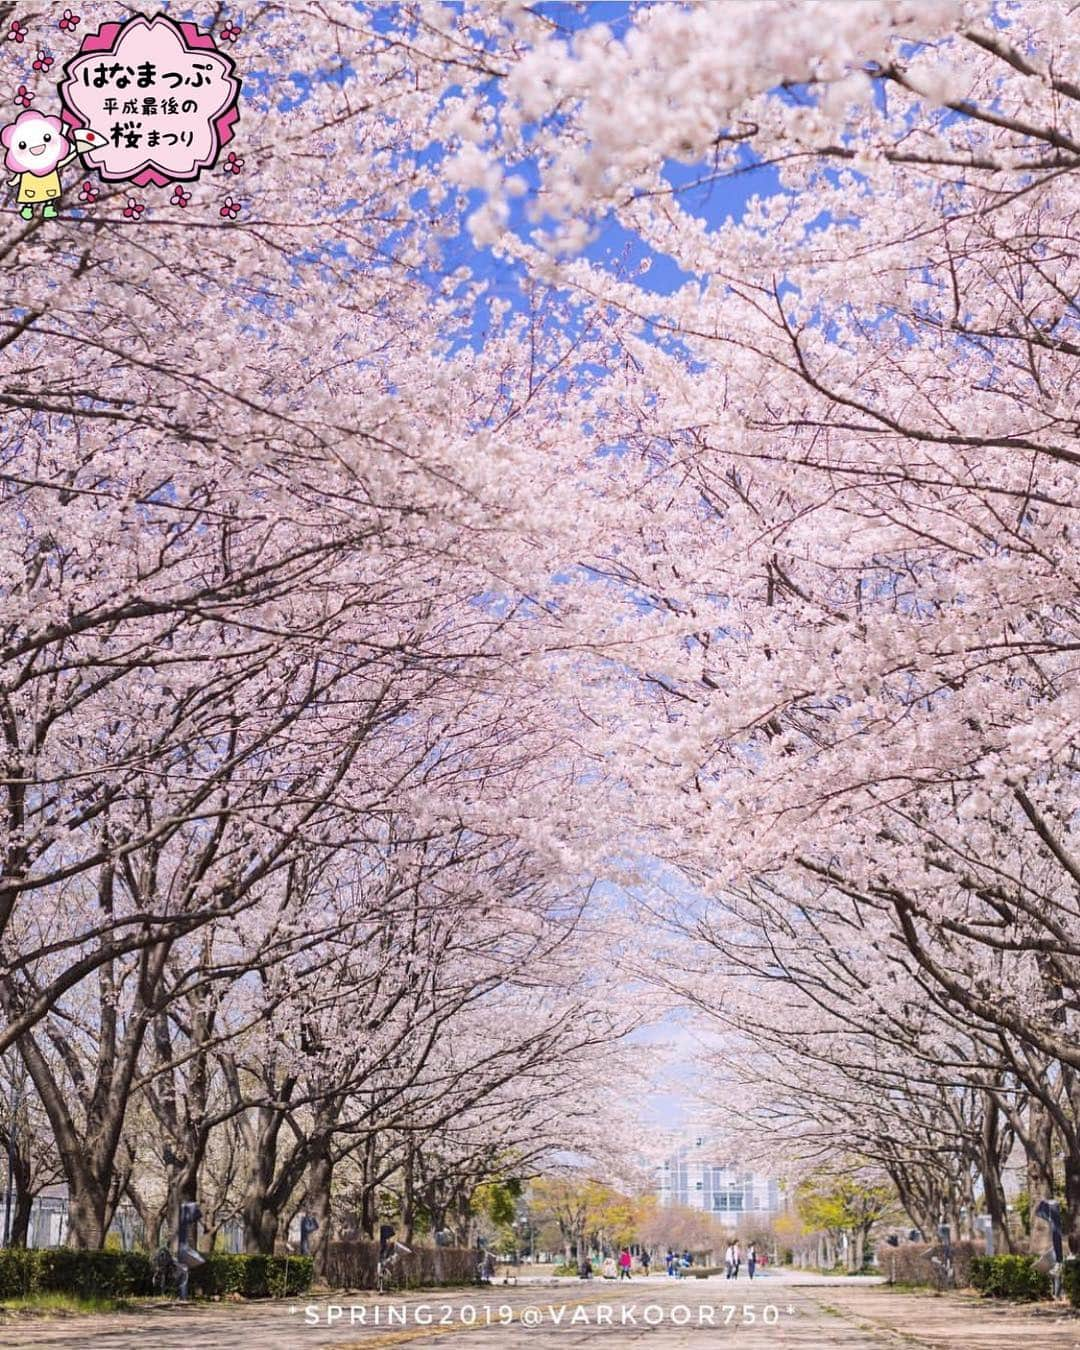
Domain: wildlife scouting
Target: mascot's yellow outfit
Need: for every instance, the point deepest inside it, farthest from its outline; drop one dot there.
(34, 189)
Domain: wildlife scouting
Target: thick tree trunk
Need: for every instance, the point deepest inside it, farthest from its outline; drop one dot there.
(23, 1198)
(320, 1175)
(1071, 1218)
(87, 1205)
(990, 1170)
(20, 1218)
(1040, 1176)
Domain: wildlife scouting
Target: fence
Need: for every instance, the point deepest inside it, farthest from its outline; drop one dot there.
(351, 1265)
(49, 1225)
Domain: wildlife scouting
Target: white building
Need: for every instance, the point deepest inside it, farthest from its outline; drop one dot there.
(694, 1176)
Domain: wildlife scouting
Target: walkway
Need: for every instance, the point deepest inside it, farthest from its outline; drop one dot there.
(781, 1311)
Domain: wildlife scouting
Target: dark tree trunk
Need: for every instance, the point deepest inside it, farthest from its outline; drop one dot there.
(1040, 1173)
(320, 1175)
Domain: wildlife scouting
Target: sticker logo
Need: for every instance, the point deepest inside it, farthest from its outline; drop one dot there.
(154, 98)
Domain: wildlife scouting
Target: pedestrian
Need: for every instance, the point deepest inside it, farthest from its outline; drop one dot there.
(687, 1259)
(585, 1268)
(729, 1261)
(645, 1259)
(607, 1270)
(625, 1262)
(670, 1262)
(736, 1259)
(751, 1259)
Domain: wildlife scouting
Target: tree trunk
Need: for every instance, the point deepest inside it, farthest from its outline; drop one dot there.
(1040, 1177)
(87, 1205)
(20, 1218)
(320, 1174)
(1071, 1218)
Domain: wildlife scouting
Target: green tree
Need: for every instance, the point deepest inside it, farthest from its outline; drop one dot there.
(847, 1204)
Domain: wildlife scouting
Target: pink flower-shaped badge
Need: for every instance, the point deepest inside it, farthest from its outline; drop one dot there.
(68, 21)
(230, 30)
(180, 197)
(22, 97)
(230, 208)
(134, 209)
(17, 32)
(88, 193)
(43, 60)
(233, 162)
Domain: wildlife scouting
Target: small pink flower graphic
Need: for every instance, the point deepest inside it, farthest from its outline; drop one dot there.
(17, 32)
(134, 209)
(88, 193)
(43, 60)
(230, 208)
(179, 196)
(68, 21)
(22, 97)
(233, 162)
(230, 31)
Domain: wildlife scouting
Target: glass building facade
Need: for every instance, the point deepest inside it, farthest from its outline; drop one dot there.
(694, 1176)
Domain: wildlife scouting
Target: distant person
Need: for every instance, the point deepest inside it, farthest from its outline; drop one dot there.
(671, 1263)
(729, 1261)
(736, 1257)
(751, 1259)
(585, 1268)
(607, 1270)
(645, 1261)
(688, 1259)
(625, 1262)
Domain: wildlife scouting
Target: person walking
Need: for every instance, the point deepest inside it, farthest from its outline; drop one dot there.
(645, 1259)
(729, 1261)
(736, 1259)
(625, 1262)
(671, 1263)
(751, 1259)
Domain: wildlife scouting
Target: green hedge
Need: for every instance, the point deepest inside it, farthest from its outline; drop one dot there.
(18, 1272)
(65, 1270)
(252, 1276)
(106, 1274)
(1015, 1277)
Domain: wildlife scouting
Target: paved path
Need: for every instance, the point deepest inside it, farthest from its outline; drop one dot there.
(777, 1312)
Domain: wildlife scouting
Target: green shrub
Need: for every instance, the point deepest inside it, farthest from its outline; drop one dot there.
(1015, 1277)
(18, 1272)
(252, 1276)
(119, 1275)
(1070, 1279)
(94, 1274)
